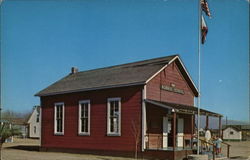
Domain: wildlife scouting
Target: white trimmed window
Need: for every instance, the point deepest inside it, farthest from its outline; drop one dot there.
(84, 117)
(114, 117)
(59, 118)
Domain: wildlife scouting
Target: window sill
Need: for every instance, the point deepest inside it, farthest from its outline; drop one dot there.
(59, 134)
(114, 134)
(83, 134)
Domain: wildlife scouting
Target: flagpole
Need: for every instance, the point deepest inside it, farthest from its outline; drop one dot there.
(199, 76)
(1, 1)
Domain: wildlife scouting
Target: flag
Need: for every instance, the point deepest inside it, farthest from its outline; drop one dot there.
(204, 30)
(204, 7)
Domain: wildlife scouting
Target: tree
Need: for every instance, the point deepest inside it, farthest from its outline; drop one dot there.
(6, 131)
(136, 131)
(10, 115)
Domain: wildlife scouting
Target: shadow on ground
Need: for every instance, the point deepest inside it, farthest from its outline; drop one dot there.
(25, 148)
(239, 158)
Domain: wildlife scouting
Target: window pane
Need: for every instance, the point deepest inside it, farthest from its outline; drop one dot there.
(58, 125)
(111, 108)
(59, 115)
(82, 110)
(86, 110)
(82, 127)
(57, 111)
(111, 125)
(116, 106)
(86, 125)
(37, 118)
(115, 125)
(84, 117)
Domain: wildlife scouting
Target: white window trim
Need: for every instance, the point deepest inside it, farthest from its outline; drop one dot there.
(55, 124)
(79, 118)
(108, 112)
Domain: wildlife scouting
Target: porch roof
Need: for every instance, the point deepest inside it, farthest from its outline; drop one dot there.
(180, 108)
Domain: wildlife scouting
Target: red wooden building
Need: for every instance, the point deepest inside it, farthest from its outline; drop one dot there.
(146, 106)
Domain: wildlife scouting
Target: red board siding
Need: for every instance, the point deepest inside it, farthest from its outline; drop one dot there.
(171, 74)
(131, 100)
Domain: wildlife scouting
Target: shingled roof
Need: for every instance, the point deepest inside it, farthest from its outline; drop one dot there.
(129, 74)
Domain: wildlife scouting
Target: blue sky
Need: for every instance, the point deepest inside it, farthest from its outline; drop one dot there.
(42, 39)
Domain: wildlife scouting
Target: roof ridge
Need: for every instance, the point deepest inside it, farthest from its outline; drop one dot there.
(130, 63)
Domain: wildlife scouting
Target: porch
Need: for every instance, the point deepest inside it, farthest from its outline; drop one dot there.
(170, 128)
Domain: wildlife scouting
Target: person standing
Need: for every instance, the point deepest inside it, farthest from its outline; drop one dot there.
(218, 141)
(207, 138)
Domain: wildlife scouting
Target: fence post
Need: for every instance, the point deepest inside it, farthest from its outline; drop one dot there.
(228, 148)
(213, 152)
(148, 142)
(183, 142)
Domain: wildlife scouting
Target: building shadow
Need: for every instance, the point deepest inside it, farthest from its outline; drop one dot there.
(24, 147)
(239, 158)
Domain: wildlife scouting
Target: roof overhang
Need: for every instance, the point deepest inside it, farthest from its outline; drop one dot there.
(180, 108)
(91, 89)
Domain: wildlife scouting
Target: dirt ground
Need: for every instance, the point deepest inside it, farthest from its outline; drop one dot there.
(238, 149)
(27, 149)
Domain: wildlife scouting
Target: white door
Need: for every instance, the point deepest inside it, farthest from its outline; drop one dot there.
(180, 132)
(165, 132)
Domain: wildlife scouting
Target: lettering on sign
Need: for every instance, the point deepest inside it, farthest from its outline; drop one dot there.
(172, 89)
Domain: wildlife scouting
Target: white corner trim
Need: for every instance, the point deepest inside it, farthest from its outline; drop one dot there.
(143, 121)
(161, 69)
(79, 118)
(40, 125)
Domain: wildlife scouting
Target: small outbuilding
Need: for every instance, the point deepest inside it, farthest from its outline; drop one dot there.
(34, 123)
(236, 132)
(232, 133)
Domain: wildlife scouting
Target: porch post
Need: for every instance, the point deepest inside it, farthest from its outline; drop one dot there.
(207, 122)
(143, 120)
(192, 124)
(174, 134)
(192, 130)
(220, 126)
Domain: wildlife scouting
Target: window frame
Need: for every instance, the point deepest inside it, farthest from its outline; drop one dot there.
(37, 118)
(109, 133)
(79, 118)
(55, 120)
(34, 131)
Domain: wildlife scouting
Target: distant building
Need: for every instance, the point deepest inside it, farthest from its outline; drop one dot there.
(245, 132)
(20, 124)
(34, 123)
(232, 133)
(6, 122)
(236, 132)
